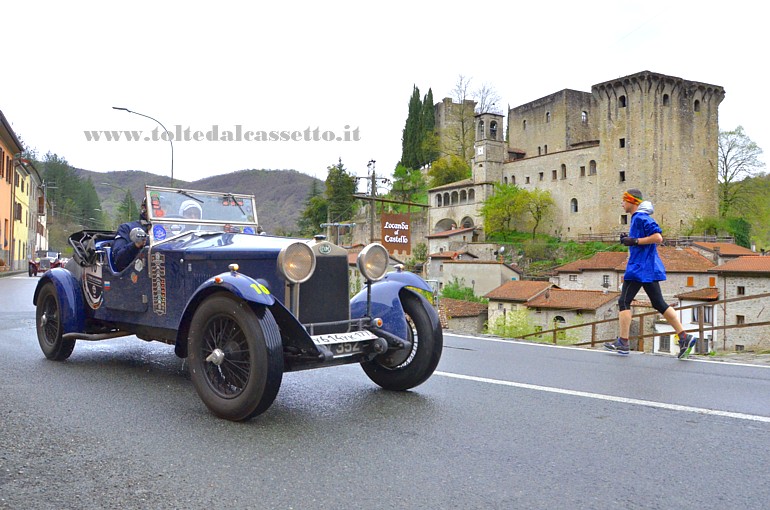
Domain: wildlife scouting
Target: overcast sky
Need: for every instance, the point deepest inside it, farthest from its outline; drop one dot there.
(343, 67)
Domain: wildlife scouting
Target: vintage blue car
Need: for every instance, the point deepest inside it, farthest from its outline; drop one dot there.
(243, 307)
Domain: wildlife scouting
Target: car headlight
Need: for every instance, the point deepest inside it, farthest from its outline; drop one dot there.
(373, 262)
(296, 262)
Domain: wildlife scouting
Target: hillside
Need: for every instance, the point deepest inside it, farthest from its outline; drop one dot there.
(280, 194)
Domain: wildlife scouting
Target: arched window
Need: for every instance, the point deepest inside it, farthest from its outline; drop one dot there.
(584, 117)
(563, 171)
(463, 196)
(454, 197)
(524, 125)
(493, 130)
(548, 116)
(573, 205)
(446, 198)
(481, 130)
(471, 195)
(513, 180)
(438, 200)
(539, 151)
(665, 100)
(592, 167)
(505, 180)
(696, 105)
(622, 101)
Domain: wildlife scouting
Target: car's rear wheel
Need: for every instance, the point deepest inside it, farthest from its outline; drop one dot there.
(235, 356)
(404, 370)
(49, 325)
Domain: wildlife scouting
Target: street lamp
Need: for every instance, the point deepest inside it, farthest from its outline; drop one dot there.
(168, 134)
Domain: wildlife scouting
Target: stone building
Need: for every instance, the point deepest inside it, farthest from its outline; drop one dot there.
(649, 131)
(743, 277)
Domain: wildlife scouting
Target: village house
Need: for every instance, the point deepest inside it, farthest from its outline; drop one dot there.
(666, 340)
(556, 308)
(744, 277)
(720, 252)
(463, 316)
(512, 296)
(480, 275)
(686, 269)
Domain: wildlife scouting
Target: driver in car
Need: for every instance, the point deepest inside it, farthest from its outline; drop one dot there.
(130, 239)
(191, 210)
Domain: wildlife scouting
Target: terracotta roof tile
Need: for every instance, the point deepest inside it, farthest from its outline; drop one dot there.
(748, 264)
(728, 249)
(519, 290)
(572, 299)
(687, 260)
(458, 308)
(449, 233)
(705, 294)
(613, 260)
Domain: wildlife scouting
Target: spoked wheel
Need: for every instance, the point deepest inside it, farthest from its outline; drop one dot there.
(396, 370)
(236, 357)
(49, 326)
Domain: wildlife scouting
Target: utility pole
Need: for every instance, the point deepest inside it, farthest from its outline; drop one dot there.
(372, 203)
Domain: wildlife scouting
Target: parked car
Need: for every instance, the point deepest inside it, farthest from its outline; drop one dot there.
(241, 306)
(44, 261)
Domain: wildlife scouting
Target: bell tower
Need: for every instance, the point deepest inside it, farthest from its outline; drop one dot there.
(489, 148)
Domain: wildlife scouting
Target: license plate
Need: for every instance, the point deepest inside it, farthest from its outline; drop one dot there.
(343, 338)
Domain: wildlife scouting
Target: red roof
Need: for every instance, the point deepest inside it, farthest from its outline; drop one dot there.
(572, 299)
(613, 260)
(519, 290)
(452, 232)
(705, 294)
(458, 308)
(728, 249)
(749, 264)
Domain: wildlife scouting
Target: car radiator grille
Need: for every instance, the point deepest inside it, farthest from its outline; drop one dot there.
(325, 296)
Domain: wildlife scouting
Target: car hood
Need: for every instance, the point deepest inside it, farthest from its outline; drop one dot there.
(226, 245)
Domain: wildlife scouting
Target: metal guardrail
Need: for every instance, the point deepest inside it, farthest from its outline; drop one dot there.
(701, 329)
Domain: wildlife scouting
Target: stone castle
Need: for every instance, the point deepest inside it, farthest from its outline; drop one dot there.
(649, 131)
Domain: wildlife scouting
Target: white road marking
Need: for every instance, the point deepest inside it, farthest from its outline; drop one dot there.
(603, 352)
(609, 398)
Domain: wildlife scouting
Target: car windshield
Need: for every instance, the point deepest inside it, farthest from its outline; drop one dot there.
(177, 211)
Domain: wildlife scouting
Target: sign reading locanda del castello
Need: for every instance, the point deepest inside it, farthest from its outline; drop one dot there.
(396, 234)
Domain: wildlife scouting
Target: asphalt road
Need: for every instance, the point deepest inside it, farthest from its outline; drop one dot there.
(501, 425)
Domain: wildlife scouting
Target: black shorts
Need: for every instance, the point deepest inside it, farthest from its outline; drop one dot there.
(631, 289)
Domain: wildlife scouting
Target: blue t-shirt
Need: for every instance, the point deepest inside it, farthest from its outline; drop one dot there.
(644, 264)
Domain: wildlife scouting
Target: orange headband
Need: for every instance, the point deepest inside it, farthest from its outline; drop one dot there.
(628, 197)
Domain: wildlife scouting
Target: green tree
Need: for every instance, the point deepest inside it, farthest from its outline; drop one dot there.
(448, 169)
(429, 151)
(503, 209)
(409, 185)
(315, 212)
(457, 289)
(340, 187)
(539, 204)
(738, 159)
(411, 138)
(127, 210)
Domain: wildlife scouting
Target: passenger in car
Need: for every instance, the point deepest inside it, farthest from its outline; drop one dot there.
(130, 239)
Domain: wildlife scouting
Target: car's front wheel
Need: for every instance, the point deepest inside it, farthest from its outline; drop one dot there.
(49, 325)
(396, 370)
(235, 356)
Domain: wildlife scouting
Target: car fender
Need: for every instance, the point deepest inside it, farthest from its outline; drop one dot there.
(251, 290)
(71, 302)
(386, 302)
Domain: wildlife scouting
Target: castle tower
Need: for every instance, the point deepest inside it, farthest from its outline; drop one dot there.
(660, 134)
(489, 148)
